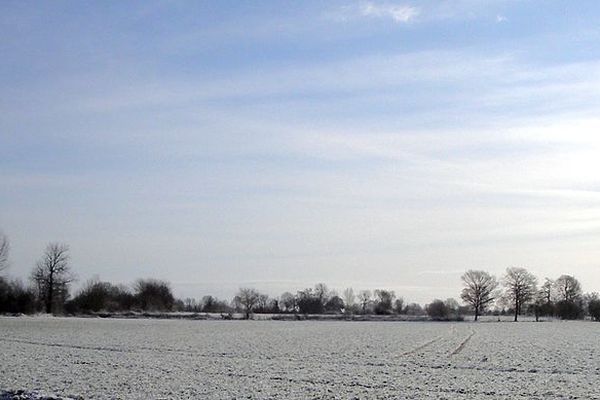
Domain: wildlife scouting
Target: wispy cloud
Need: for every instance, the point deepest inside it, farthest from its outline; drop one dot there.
(399, 13)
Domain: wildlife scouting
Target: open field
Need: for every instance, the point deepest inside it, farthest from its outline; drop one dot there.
(140, 359)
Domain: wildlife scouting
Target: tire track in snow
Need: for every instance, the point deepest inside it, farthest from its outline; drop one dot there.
(462, 345)
(70, 346)
(422, 346)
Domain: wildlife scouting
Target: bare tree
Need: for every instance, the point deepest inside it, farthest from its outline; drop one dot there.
(349, 298)
(520, 286)
(568, 288)
(52, 274)
(288, 301)
(262, 303)
(248, 299)
(479, 291)
(384, 301)
(322, 293)
(154, 295)
(547, 290)
(399, 305)
(364, 297)
(4, 249)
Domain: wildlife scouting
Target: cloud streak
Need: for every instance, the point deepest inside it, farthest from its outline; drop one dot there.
(398, 13)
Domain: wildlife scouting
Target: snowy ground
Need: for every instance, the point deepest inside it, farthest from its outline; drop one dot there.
(141, 359)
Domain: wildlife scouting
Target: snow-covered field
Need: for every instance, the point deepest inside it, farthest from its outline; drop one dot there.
(151, 359)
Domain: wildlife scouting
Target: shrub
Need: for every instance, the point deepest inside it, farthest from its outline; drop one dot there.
(594, 309)
(438, 310)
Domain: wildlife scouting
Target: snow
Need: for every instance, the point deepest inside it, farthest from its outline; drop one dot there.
(140, 359)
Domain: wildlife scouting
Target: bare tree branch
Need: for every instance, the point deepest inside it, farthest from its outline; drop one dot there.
(52, 274)
(521, 287)
(479, 291)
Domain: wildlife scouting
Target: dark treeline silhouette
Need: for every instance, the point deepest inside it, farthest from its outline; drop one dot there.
(515, 293)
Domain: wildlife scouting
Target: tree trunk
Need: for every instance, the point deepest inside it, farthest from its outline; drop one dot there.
(476, 313)
(50, 294)
(50, 291)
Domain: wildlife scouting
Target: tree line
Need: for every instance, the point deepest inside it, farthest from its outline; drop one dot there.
(519, 293)
(516, 292)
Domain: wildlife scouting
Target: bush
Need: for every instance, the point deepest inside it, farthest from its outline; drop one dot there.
(15, 298)
(594, 309)
(153, 295)
(569, 309)
(309, 303)
(334, 305)
(101, 296)
(438, 310)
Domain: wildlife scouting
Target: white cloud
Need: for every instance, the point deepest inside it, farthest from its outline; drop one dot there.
(500, 18)
(399, 13)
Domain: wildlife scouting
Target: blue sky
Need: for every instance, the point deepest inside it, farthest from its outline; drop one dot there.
(279, 144)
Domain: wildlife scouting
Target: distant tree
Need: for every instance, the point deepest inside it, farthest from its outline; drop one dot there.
(335, 304)
(520, 288)
(453, 308)
(52, 276)
(322, 293)
(547, 290)
(438, 310)
(594, 309)
(16, 298)
(479, 290)
(262, 305)
(4, 249)
(208, 304)
(414, 309)
(349, 299)
(364, 297)
(92, 297)
(273, 306)
(211, 304)
(154, 295)
(399, 305)
(569, 309)
(288, 302)
(309, 302)
(248, 299)
(191, 305)
(384, 301)
(97, 296)
(568, 288)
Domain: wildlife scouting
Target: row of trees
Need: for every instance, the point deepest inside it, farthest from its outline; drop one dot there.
(321, 300)
(517, 290)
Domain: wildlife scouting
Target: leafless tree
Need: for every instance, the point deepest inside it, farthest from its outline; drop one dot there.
(262, 303)
(547, 290)
(384, 301)
(520, 286)
(349, 298)
(153, 295)
(479, 290)
(52, 274)
(4, 249)
(568, 288)
(322, 292)
(248, 299)
(364, 297)
(399, 305)
(288, 301)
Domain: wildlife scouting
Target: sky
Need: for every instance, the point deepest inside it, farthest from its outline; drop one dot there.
(367, 144)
